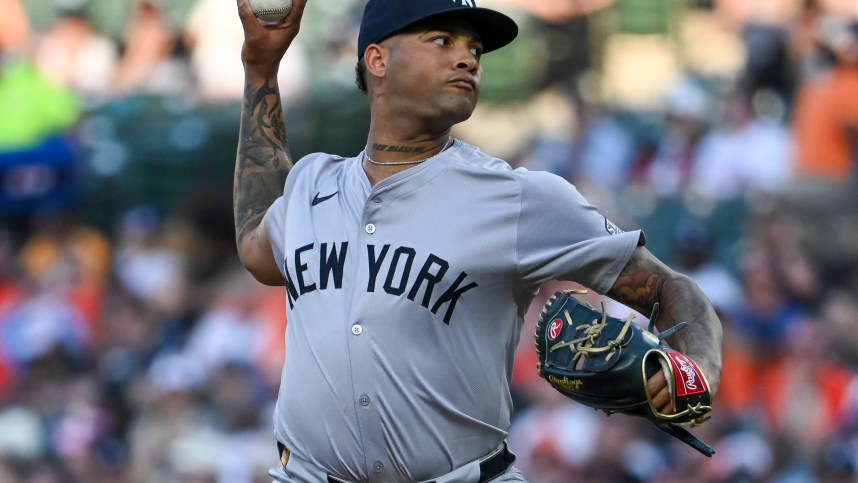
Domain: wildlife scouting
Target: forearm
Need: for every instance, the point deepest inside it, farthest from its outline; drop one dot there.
(646, 281)
(680, 299)
(263, 160)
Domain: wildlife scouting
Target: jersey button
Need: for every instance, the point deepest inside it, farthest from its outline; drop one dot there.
(357, 329)
(364, 400)
(377, 467)
(370, 228)
(376, 200)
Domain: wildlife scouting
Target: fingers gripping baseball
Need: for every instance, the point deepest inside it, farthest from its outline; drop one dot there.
(266, 43)
(245, 12)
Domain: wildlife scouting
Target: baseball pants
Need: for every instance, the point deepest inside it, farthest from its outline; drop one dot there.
(301, 471)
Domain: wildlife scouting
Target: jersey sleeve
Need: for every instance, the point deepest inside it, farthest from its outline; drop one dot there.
(275, 217)
(275, 228)
(561, 236)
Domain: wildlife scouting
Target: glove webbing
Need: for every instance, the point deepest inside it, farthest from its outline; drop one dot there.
(583, 346)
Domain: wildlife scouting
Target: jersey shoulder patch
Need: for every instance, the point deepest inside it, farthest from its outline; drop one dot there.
(611, 228)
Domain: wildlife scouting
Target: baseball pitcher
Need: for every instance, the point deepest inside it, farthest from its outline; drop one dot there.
(409, 266)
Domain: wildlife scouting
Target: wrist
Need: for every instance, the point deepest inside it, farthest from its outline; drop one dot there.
(712, 373)
(260, 69)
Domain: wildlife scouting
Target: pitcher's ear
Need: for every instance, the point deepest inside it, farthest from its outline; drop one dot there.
(375, 59)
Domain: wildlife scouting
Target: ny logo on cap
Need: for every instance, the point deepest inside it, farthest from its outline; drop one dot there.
(466, 3)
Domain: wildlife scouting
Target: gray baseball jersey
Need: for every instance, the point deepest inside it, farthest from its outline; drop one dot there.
(406, 301)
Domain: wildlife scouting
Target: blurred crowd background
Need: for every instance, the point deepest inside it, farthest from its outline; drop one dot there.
(133, 347)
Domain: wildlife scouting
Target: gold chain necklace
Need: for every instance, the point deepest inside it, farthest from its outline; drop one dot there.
(405, 163)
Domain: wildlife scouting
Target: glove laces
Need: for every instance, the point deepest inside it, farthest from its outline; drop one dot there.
(583, 346)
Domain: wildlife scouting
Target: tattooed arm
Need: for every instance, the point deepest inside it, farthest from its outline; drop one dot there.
(644, 281)
(262, 160)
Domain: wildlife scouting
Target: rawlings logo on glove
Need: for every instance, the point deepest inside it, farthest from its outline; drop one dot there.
(604, 362)
(686, 370)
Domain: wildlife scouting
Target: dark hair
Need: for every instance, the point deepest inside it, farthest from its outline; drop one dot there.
(360, 75)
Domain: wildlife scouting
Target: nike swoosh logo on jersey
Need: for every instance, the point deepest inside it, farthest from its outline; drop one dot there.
(318, 199)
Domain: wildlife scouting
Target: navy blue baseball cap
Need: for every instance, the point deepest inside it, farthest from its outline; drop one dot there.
(383, 18)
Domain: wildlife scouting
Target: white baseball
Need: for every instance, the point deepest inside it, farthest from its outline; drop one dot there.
(271, 11)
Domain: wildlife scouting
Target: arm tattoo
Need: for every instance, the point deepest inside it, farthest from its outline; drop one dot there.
(263, 160)
(639, 284)
(645, 281)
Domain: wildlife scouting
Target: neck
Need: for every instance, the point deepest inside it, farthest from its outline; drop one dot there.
(402, 147)
(385, 157)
